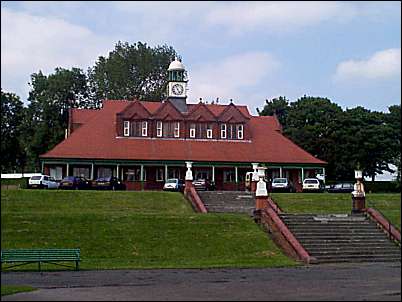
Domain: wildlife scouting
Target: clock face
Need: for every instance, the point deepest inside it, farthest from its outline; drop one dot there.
(177, 89)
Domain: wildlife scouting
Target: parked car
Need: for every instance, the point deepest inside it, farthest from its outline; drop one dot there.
(108, 183)
(174, 184)
(42, 182)
(204, 184)
(344, 187)
(312, 185)
(282, 185)
(75, 183)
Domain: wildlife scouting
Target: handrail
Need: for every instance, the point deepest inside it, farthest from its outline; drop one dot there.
(195, 199)
(393, 233)
(288, 235)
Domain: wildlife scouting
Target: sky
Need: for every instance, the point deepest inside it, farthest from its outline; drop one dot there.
(349, 52)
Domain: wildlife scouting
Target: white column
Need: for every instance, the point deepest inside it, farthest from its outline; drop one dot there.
(92, 171)
(142, 173)
(213, 173)
(118, 171)
(302, 174)
(166, 172)
(323, 174)
(236, 175)
(280, 172)
(68, 168)
(189, 173)
(43, 164)
(261, 190)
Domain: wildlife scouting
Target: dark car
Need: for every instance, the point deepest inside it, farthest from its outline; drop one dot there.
(108, 183)
(74, 182)
(204, 184)
(341, 188)
(174, 184)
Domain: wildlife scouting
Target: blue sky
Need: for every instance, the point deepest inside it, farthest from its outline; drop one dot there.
(349, 52)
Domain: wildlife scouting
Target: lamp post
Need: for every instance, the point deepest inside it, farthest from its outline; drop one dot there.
(358, 194)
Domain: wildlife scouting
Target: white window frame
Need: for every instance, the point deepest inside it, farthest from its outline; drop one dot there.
(240, 131)
(159, 129)
(177, 129)
(223, 130)
(144, 128)
(209, 133)
(126, 125)
(192, 130)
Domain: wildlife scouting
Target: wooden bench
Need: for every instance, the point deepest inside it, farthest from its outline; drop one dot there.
(26, 256)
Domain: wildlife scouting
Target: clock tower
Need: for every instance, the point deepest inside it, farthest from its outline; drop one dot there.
(177, 86)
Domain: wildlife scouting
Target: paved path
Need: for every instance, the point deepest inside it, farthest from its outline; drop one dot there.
(379, 281)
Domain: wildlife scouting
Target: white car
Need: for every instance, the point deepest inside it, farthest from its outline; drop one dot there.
(312, 185)
(282, 184)
(42, 182)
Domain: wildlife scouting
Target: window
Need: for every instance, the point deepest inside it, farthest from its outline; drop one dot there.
(159, 128)
(223, 131)
(174, 173)
(126, 128)
(56, 172)
(177, 129)
(160, 174)
(209, 131)
(229, 176)
(80, 171)
(192, 130)
(144, 128)
(239, 131)
(105, 172)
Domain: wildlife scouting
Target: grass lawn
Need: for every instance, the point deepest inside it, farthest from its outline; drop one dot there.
(326, 203)
(132, 230)
(13, 289)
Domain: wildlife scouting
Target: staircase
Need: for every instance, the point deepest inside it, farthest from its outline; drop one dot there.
(342, 238)
(228, 201)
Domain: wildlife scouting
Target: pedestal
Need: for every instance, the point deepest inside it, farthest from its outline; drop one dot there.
(358, 204)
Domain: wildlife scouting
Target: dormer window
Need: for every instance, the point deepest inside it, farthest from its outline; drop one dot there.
(126, 128)
(192, 130)
(239, 131)
(159, 127)
(144, 128)
(209, 131)
(177, 129)
(223, 130)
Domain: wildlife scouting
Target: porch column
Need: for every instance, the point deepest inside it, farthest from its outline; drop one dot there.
(236, 175)
(142, 173)
(323, 175)
(302, 175)
(280, 172)
(67, 168)
(118, 171)
(92, 171)
(43, 168)
(213, 173)
(166, 172)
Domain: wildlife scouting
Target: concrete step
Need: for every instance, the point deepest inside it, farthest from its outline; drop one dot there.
(357, 260)
(334, 252)
(355, 245)
(339, 237)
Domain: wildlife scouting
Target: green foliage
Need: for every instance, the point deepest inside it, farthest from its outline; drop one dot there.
(12, 112)
(132, 71)
(133, 230)
(344, 139)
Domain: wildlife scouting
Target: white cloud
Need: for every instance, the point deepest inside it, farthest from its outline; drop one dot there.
(31, 43)
(381, 65)
(231, 77)
(271, 16)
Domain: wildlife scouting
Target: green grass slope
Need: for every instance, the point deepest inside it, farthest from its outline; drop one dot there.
(133, 230)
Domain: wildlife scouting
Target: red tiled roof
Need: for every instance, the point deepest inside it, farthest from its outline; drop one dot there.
(96, 139)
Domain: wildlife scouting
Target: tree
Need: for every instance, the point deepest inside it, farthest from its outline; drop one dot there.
(12, 112)
(50, 99)
(132, 71)
(276, 106)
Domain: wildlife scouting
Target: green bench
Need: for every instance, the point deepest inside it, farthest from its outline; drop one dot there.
(26, 256)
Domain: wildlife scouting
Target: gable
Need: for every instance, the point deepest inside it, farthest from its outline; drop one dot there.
(168, 112)
(136, 110)
(201, 113)
(232, 114)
